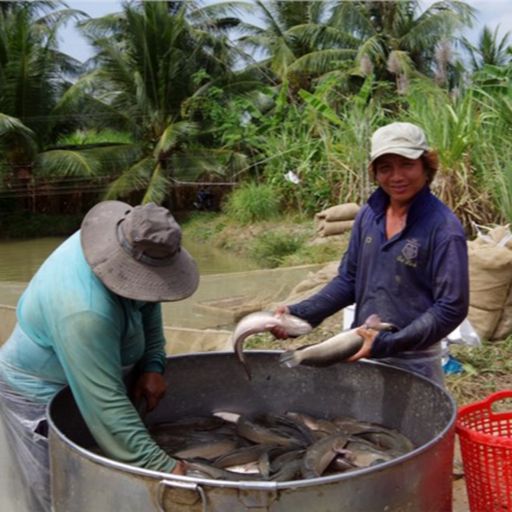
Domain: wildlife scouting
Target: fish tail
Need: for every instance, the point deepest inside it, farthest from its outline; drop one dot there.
(289, 359)
(247, 371)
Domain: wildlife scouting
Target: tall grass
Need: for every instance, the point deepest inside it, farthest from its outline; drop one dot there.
(252, 202)
(271, 248)
(453, 124)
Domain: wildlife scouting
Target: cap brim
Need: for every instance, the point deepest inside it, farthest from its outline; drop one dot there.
(123, 274)
(413, 154)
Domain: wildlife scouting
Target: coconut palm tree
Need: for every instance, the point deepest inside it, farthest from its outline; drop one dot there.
(490, 49)
(153, 60)
(397, 38)
(295, 41)
(33, 74)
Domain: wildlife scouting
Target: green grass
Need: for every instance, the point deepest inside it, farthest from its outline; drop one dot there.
(252, 203)
(271, 248)
(486, 369)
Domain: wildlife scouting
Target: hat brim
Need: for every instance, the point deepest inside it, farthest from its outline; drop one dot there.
(413, 154)
(123, 274)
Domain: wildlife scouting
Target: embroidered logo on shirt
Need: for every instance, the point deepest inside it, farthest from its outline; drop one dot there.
(409, 253)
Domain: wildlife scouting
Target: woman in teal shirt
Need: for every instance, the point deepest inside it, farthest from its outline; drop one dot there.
(92, 309)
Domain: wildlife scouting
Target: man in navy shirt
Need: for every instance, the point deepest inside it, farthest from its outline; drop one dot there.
(406, 261)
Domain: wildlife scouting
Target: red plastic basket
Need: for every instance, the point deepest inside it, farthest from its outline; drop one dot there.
(486, 446)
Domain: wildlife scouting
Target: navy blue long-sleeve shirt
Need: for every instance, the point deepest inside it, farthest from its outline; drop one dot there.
(417, 280)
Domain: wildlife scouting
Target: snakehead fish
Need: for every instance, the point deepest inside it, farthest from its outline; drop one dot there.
(335, 349)
(262, 321)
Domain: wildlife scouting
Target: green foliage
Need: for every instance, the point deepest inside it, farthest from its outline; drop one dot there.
(164, 102)
(203, 226)
(325, 146)
(271, 248)
(252, 202)
(92, 136)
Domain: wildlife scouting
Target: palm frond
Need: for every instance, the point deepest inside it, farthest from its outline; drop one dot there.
(157, 188)
(67, 163)
(173, 134)
(137, 177)
(323, 36)
(322, 61)
(13, 126)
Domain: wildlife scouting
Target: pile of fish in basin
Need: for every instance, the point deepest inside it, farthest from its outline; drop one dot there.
(357, 437)
(277, 447)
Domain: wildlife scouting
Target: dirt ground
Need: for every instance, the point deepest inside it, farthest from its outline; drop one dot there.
(460, 497)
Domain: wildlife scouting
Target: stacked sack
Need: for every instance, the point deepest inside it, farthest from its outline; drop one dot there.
(490, 283)
(336, 219)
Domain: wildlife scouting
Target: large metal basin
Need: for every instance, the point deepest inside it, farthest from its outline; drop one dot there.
(200, 384)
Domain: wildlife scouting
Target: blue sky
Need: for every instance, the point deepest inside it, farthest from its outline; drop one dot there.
(492, 13)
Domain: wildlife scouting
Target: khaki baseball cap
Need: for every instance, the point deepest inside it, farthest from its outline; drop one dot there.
(404, 139)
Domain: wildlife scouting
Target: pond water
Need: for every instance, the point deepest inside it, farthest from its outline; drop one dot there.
(19, 259)
(229, 285)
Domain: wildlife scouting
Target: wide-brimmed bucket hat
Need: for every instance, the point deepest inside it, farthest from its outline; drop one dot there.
(137, 252)
(404, 139)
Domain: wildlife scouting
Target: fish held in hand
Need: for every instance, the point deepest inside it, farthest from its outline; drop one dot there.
(262, 321)
(335, 349)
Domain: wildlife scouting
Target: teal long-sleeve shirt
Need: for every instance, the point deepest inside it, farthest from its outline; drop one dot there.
(77, 332)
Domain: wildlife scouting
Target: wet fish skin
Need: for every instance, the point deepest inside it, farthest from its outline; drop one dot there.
(388, 440)
(353, 445)
(266, 459)
(289, 471)
(257, 433)
(291, 426)
(333, 350)
(340, 464)
(320, 454)
(280, 461)
(207, 450)
(202, 470)
(315, 424)
(242, 455)
(262, 321)
(362, 454)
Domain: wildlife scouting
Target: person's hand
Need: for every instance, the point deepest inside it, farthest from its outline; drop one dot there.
(277, 331)
(180, 468)
(368, 336)
(151, 386)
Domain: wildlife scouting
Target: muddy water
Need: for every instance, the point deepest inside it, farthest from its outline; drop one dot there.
(229, 285)
(20, 259)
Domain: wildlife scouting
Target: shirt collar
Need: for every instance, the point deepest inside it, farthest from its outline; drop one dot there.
(379, 202)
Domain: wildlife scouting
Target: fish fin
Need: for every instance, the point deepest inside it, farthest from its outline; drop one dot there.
(288, 359)
(374, 322)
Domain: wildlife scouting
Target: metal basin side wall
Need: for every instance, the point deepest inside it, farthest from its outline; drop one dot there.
(205, 383)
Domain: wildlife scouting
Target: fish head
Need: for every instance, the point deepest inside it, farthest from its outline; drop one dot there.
(294, 325)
